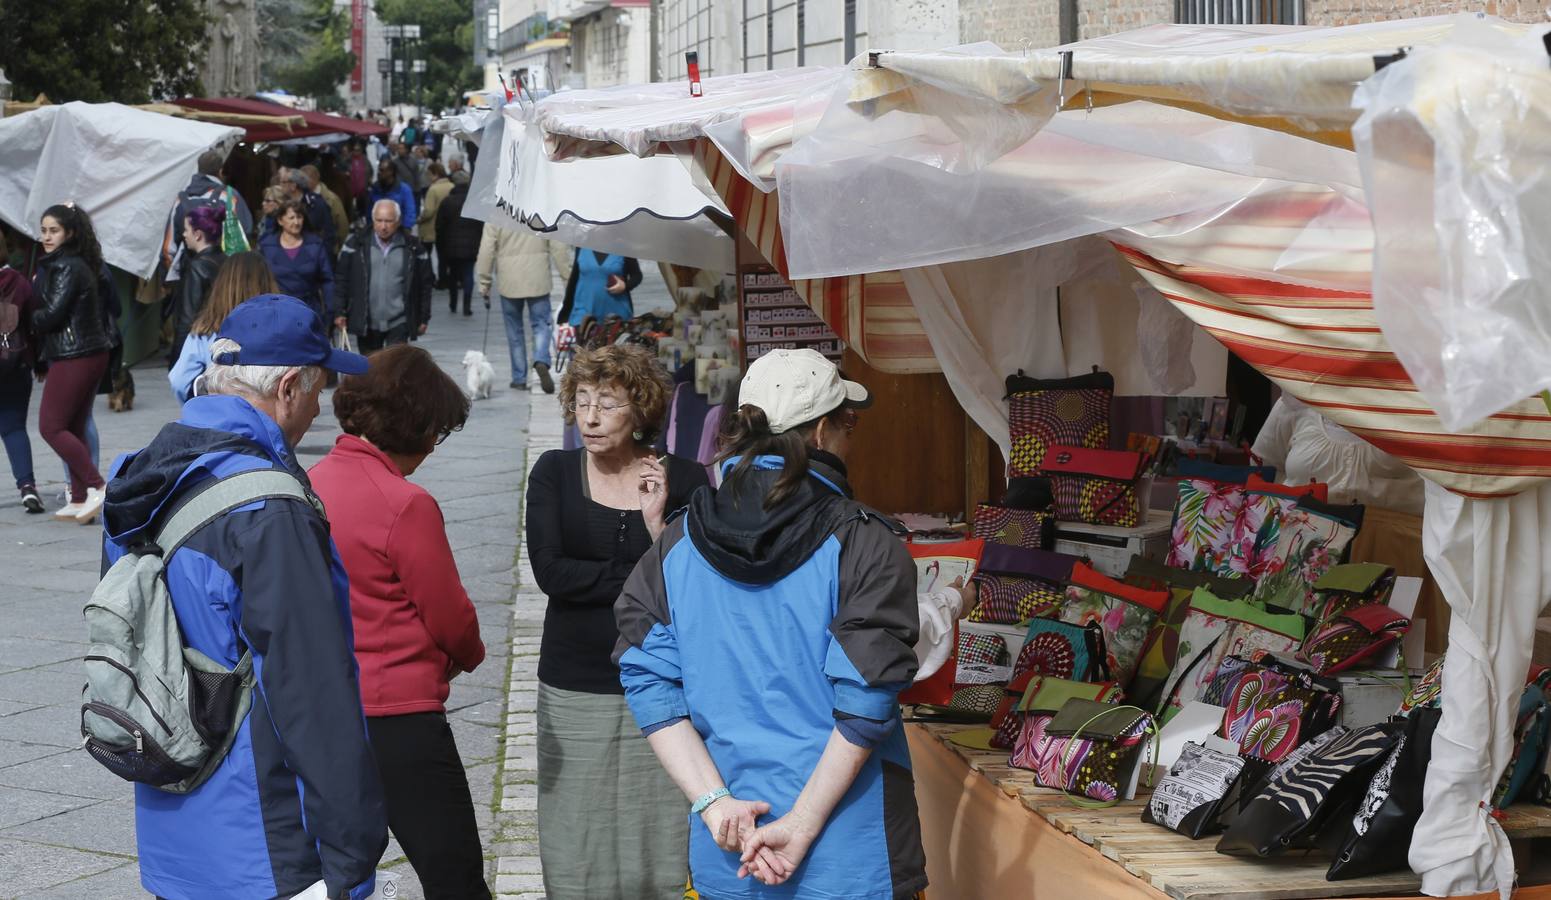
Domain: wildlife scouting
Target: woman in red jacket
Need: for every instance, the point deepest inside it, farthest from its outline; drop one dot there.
(414, 625)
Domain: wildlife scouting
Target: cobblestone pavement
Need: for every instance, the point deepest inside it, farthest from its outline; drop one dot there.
(67, 824)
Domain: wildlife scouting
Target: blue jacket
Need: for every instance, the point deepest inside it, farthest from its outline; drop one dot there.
(309, 277)
(192, 362)
(403, 195)
(769, 630)
(298, 799)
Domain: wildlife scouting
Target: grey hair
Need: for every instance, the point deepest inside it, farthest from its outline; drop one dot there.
(454, 160)
(398, 212)
(251, 381)
(300, 179)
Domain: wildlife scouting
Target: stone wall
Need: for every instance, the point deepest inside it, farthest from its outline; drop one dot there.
(1353, 12)
(1011, 24)
(1096, 18)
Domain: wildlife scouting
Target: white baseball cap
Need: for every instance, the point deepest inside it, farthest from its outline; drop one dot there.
(794, 387)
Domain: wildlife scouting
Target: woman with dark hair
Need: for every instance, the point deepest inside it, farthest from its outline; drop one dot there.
(242, 276)
(600, 286)
(415, 628)
(592, 513)
(71, 325)
(300, 261)
(19, 362)
(202, 237)
(779, 585)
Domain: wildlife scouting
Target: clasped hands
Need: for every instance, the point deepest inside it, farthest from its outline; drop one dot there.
(770, 853)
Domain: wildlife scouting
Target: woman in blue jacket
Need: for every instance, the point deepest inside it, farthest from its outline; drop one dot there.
(763, 642)
(300, 261)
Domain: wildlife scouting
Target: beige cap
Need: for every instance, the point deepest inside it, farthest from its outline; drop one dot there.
(795, 387)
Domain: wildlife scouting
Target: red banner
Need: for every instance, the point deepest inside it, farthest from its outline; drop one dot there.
(357, 42)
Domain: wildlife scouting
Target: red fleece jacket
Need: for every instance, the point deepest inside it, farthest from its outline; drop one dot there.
(414, 624)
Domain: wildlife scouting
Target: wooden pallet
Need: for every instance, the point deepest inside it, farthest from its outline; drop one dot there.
(1191, 870)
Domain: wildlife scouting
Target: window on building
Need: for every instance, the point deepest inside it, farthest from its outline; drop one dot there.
(1238, 12)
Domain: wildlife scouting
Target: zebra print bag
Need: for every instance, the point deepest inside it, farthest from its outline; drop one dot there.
(1294, 806)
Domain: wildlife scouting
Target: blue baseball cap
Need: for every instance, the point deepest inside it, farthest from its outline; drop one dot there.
(276, 330)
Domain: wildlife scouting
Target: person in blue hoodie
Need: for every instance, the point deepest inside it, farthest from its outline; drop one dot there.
(298, 799)
(764, 640)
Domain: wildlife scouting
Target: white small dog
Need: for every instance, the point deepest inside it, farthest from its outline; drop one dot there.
(478, 375)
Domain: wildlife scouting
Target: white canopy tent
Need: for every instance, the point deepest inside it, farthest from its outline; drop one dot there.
(124, 166)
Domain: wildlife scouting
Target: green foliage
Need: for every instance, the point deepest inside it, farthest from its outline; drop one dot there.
(446, 42)
(305, 53)
(129, 51)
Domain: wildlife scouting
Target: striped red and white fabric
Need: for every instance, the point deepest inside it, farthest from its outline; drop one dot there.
(1324, 346)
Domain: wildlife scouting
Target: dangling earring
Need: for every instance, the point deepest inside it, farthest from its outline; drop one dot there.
(637, 435)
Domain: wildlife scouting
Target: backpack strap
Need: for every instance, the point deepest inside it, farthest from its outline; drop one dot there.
(225, 495)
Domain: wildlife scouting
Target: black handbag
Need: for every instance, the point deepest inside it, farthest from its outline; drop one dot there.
(1378, 837)
(1291, 811)
(1190, 798)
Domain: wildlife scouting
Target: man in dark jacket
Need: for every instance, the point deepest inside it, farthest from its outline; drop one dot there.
(206, 188)
(457, 243)
(297, 803)
(383, 286)
(299, 187)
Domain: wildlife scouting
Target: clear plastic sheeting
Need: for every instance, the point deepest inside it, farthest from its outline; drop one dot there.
(124, 166)
(1455, 143)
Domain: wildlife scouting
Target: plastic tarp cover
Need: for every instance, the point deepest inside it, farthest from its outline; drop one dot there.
(1455, 143)
(124, 166)
(1489, 559)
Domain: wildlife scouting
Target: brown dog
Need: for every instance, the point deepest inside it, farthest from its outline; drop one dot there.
(122, 398)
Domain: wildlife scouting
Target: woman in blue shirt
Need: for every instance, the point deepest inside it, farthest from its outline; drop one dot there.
(242, 275)
(600, 286)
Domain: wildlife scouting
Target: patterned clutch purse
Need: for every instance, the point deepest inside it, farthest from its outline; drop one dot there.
(1088, 749)
(1352, 637)
(1018, 584)
(1099, 487)
(1066, 411)
(1028, 528)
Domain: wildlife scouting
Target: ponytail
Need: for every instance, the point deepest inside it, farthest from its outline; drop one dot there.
(746, 434)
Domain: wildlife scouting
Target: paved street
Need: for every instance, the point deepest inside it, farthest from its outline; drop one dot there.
(67, 824)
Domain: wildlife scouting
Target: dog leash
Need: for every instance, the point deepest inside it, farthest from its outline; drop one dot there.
(484, 344)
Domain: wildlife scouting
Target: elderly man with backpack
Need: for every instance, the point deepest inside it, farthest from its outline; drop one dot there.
(232, 696)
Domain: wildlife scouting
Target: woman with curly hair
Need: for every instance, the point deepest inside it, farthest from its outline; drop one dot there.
(415, 628)
(610, 821)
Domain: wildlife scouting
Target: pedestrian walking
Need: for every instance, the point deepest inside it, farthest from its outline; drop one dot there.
(779, 585)
(415, 627)
(297, 803)
(242, 276)
(320, 220)
(70, 323)
(458, 245)
(440, 187)
(274, 195)
(202, 244)
(384, 282)
(408, 172)
(208, 187)
(336, 207)
(599, 287)
(390, 186)
(19, 364)
(360, 174)
(521, 259)
(300, 261)
(592, 513)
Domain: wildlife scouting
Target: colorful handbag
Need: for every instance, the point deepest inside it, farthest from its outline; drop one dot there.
(1027, 528)
(1309, 540)
(1352, 637)
(1352, 585)
(1067, 411)
(1017, 584)
(1215, 629)
(1206, 519)
(1099, 487)
(1531, 740)
(1427, 693)
(1161, 649)
(1125, 613)
(1044, 696)
(1006, 722)
(1378, 839)
(976, 701)
(1323, 787)
(1272, 708)
(1063, 650)
(982, 649)
(1087, 749)
(1188, 800)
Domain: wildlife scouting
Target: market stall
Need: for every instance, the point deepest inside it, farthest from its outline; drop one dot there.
(949, 211)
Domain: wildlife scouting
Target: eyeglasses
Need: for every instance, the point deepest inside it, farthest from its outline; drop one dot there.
(848, 421)
(604, 409)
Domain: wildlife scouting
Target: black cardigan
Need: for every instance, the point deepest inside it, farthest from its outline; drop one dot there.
(581, 577)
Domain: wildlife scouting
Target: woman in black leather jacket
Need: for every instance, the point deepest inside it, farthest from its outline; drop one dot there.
(202, 239)
(70, 325)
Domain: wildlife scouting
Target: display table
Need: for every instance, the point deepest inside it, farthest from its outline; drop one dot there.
(991, 833)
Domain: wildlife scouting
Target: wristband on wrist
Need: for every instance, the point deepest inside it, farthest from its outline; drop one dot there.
(707, 799)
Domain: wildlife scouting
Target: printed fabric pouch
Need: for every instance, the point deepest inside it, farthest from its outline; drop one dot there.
(1531, 738)
(1352, 637)
(1161, 649)
(1072, 412)
(1187, 800)
(1272, 708)
(1018, 584)
(1126, 614)
(1378, 838)
(1351, 585)
(1309, 540)
(1215, 629)
(1064, 650)
(1045, 697)
(1206, 515)
(1088, 749)
(1426, 693)
(1265, 504)
(1029, 528)
(1100, 487)
(1326, 786)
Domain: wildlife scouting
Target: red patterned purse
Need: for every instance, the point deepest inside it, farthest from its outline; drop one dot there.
(1064, 411)
(1095, 486)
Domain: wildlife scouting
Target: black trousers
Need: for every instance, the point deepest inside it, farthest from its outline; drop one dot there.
(429, 808)
(376, 340)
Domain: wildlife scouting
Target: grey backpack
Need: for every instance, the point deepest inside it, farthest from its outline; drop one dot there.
(153, 710)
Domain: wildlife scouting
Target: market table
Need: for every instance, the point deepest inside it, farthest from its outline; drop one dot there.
(990, 832)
